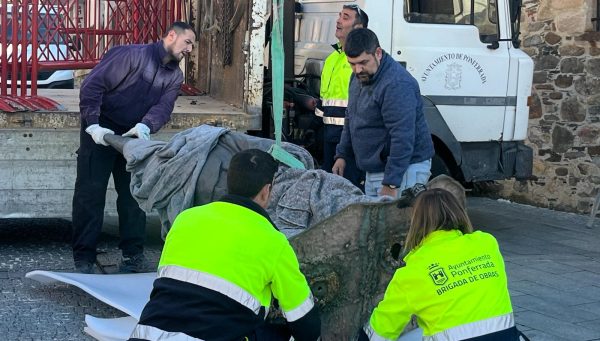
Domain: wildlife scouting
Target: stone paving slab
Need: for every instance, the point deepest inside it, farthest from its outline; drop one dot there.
(593, 325)
(545, 265)
(541, 336)
(586, 264)
(554, 308)
(553, 266)
(553, 328)
(560, 297)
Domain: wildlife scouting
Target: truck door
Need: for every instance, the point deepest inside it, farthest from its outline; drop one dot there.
(452, 48)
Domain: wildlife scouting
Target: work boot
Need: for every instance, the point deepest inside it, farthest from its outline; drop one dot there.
(134, 264)
(84, 267)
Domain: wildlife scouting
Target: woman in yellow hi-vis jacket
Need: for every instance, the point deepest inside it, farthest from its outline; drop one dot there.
(454, 280)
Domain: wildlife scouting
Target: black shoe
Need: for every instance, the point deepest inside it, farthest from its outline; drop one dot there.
(84, 267)
(134, 264)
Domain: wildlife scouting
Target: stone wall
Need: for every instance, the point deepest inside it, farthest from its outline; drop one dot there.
(564, 124)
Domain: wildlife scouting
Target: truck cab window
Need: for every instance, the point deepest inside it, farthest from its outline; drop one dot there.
(481, 13)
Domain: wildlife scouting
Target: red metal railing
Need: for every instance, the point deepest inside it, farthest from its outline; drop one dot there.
(69, 35)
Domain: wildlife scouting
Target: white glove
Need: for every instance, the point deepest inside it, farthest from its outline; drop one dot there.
(98, 133)
(140, 130)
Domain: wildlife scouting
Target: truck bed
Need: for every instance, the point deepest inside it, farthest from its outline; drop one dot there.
(38, 150)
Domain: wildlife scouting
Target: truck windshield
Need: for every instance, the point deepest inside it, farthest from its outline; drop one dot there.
(481, 13)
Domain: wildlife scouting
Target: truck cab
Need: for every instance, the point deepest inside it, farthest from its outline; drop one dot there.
(474, 79)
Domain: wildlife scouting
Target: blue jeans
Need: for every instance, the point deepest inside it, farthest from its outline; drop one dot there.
(415, 173)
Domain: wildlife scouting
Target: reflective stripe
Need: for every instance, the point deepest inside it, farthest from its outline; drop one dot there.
(338, 121)
(301, 310)
(211, 282)
(335, 103)
(372, 334)
(474, 329)
(152, 333)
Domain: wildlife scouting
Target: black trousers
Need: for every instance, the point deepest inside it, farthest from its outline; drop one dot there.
(95, 163)
(271, 332)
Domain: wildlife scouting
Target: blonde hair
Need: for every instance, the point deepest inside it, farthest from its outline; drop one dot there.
(435, 209)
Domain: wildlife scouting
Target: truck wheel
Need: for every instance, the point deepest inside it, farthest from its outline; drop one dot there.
(439, 166)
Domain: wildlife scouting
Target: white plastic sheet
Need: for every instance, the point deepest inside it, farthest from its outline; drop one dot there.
(128, 293)
(112, 329)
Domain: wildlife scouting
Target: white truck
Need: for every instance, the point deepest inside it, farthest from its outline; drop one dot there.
(464, 53)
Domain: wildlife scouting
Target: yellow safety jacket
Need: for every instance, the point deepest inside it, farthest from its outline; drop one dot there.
(220, 267)
(456, 286)
(335, 80)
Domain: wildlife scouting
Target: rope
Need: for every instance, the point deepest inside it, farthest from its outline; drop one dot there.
(209, 22)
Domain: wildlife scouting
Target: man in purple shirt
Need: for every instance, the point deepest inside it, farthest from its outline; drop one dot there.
(131, 92)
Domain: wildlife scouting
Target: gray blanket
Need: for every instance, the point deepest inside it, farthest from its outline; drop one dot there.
(303, 198)
(191, 170)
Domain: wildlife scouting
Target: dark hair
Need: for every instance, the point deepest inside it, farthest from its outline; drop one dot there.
(360, 40)
(179, 27)
(249, 171)
(361, 16)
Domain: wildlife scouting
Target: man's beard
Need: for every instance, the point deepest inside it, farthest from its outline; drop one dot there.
(364, 78)
(175, 57)
(367, 78)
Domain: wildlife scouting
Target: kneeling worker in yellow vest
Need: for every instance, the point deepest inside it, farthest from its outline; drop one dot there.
(222, 263)
(454, 280)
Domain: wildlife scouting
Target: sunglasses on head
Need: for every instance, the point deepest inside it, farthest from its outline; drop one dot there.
(356, 8)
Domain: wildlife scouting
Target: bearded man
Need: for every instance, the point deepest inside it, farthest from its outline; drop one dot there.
(131, 92)
(385, 129)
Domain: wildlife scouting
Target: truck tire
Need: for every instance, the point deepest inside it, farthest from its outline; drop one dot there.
(439, 166)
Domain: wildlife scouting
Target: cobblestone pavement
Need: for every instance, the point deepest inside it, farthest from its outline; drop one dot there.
(553, 264)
